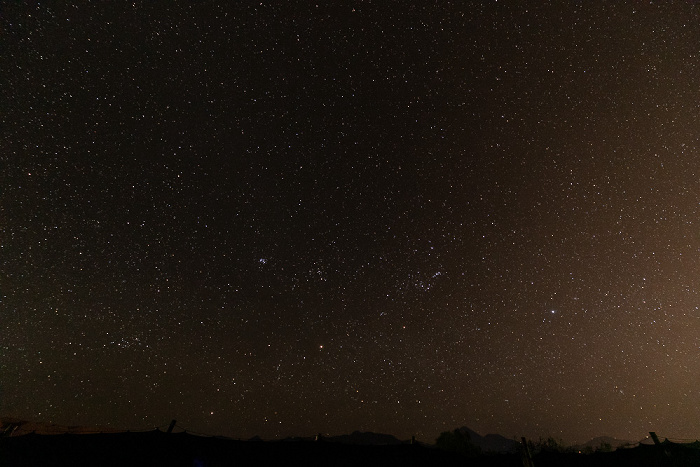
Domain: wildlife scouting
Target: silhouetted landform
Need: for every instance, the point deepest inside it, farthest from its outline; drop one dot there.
(182, 449)
(603, 442)
(667, 454)
(358, 438)
(18, 427)
(158, 448)
(491, 443)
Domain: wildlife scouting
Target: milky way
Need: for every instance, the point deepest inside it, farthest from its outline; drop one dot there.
(288, 219)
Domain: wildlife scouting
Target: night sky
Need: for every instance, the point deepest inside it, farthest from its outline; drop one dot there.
(284, 218)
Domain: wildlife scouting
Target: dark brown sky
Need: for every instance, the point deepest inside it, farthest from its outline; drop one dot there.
(284, 219)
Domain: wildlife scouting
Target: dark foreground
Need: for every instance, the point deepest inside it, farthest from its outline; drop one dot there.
(181, 449)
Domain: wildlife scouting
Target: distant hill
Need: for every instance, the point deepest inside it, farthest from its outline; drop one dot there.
(488, 443)
(599, 441)
(356, 438)
(11, 426)
(492, 442)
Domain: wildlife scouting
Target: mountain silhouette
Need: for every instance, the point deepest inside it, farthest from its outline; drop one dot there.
(491, 442)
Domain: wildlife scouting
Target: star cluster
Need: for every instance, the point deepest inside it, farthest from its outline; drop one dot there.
(286, 218)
